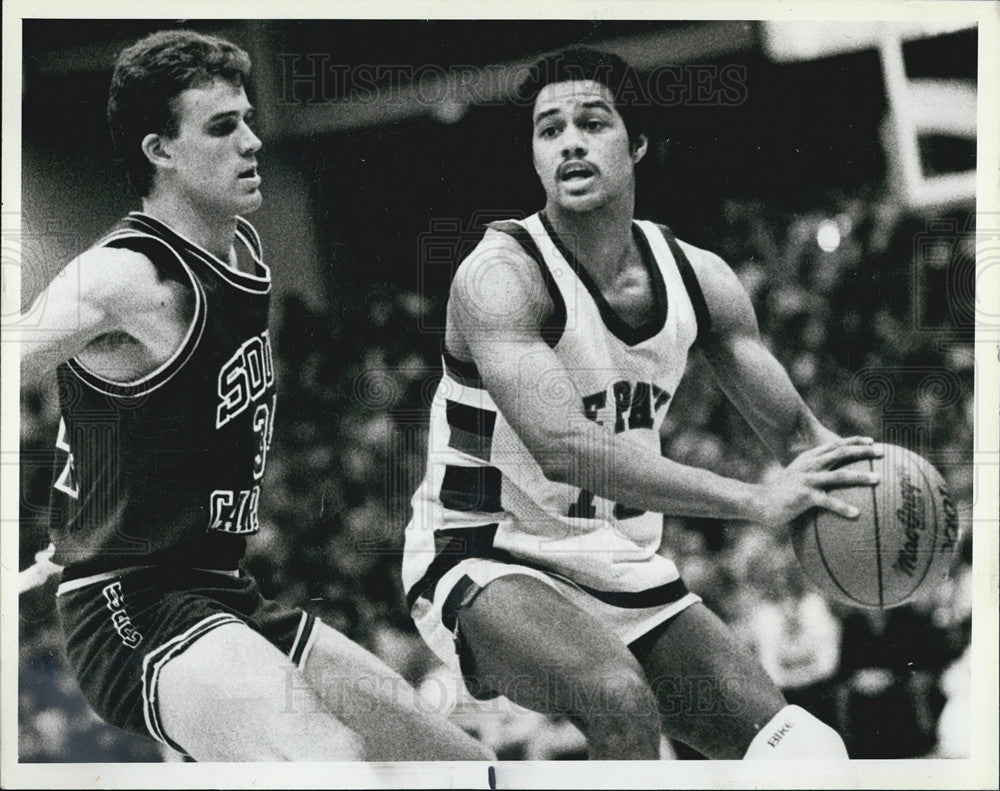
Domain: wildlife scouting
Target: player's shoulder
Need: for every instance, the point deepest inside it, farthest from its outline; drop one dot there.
(706, 264)
(117, 275)
(724, 300)
(108, 266)
(498, 272)
(715, 277)
(500, 243)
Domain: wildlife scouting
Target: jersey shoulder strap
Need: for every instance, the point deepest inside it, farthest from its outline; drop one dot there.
(691, 283)
(163, 255)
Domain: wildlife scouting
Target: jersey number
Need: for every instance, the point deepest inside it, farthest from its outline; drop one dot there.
(640, 401)
(235, 510)
(66, 482)
(584, 508)
(263, 425)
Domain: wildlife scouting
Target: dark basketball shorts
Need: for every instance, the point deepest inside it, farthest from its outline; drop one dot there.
(123, 627)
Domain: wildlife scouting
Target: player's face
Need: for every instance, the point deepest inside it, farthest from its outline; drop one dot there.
(214, 155)
(581, 147)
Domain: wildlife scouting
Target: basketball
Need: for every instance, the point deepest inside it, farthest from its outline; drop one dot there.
(901, 544)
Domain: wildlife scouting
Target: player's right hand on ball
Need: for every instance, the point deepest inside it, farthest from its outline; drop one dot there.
(805, 483)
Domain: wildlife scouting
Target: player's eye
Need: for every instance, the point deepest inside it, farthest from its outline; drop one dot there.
(548, 131)
(223, 128)
(593, 124)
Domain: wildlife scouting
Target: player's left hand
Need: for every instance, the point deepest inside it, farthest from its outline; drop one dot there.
(842, 450)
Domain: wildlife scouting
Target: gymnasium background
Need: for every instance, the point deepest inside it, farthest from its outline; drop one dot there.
(831, 166)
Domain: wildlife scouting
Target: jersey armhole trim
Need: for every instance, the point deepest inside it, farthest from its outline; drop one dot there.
(168, 369)
(695, 294)
(464, 373)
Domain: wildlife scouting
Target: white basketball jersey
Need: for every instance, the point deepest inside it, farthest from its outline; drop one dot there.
(484, 494)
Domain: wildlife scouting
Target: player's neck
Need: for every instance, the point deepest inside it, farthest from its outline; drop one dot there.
(601, 239)
(212, 232)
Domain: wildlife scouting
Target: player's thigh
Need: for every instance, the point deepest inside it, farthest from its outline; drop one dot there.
(232, 696)
(528, 642)
(380, 705)
(713, 693)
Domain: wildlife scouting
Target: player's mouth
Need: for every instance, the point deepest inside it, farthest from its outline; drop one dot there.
(575, 172)
(250, 176)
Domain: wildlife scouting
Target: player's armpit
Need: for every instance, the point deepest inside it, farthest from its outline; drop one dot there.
(93, 294)
(747, 372)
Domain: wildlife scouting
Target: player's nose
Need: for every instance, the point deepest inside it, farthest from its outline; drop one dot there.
(573, 142)
(249, 142)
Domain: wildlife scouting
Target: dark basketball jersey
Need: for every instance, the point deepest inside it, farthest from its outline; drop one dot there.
(166, 469)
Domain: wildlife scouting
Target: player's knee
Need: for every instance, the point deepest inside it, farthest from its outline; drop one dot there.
(320, 738)
(304, 729)
(619, 699)
(795, 733)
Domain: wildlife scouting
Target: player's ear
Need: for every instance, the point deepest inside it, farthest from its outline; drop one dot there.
(153, 146)
(639, 148)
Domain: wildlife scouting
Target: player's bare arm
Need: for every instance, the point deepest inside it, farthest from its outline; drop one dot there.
(497, 308)
(761, 390)
(747, 372)
(111, 308)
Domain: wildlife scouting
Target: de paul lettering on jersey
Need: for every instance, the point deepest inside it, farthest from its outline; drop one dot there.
(636, 405)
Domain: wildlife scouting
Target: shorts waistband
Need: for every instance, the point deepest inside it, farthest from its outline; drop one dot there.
(478, 542)
(82, 582)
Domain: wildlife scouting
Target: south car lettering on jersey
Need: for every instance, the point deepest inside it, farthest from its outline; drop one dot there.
(245, 377)
(235, 511)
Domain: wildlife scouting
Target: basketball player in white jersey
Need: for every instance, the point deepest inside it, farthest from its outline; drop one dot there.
(158, 335)
(531, 561)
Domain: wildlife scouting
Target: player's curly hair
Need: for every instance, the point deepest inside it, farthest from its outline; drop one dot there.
(584, 63)
(149, 76)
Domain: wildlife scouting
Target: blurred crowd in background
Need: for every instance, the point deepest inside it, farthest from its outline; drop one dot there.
(869, 308)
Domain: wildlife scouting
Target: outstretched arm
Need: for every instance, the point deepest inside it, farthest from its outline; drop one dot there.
(497, 307)
(747, 372)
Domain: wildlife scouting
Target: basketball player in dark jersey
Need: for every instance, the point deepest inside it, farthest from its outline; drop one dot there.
(167, 394)
(531, 563)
